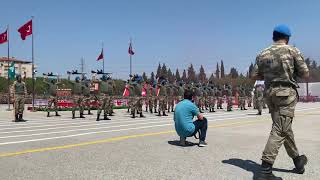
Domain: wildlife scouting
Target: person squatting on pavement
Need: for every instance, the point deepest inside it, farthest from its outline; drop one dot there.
(279, 65)
(183, 119)
(19, 91)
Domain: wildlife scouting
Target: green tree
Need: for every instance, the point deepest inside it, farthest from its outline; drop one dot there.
(178, 78)
(184, 76)
(222, 69)
(217, 71)
(164, 71)
(191, 74)
(158, 71)
(202, 75)
(152, 78)
(144, 76)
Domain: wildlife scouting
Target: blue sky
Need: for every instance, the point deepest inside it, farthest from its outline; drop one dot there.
(175, 32)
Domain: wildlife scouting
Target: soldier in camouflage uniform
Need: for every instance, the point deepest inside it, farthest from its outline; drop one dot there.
(19, 91)
(111, 88)
(259, 98)
(242, 98)
(51, 91)
(279, 65)
(249, 96)
(170, 97)
(180, 92)
(86, 85)
(151, 95)
(138, 103)
(219, 96)
(155, 97)
(228, 90)
(162, 98)
(212, 97)
(77, 95)
(198, 96)
(103, 97)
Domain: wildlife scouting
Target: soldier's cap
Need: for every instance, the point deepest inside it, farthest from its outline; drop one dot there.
(77, 78)
(283, 29)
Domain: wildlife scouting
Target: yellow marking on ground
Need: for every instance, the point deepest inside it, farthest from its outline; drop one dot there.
(118, 139)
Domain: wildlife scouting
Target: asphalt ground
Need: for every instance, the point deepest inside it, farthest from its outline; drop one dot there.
(146, 148)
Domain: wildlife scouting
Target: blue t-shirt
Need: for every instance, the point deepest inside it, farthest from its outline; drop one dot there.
(183, 117)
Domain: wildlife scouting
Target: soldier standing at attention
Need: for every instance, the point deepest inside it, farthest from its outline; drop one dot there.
(77, 98)
(19, 91)
(259, 98)
(103, 98)
(162, 98)
(279, 65)
(52, 87)
(229, 97)
(219, 95)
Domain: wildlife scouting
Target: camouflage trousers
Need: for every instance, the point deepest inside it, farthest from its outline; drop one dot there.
(150, 101)
(155, 103)
(170, 101)
(219, 102)
(259, 104)
(87, 102)
(212, 102)
(78, 103)
(19, 104)
(105, 105)
(229, 102)
(281, 102)
(52, 101)
(242, 102)
(136, 105)
(162, 104)
(249, 101)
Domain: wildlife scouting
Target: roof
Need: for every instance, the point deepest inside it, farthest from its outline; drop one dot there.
(5, 59)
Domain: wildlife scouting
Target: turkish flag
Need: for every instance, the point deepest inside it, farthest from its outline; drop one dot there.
(25, 30)
(100, 56)
(130, 51)
(126, 91)
(4, 37)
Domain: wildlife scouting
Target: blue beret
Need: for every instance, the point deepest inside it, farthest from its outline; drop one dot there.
(283, 29)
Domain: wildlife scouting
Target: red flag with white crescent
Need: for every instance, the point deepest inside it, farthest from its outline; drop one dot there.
(100, 56)
(126, 91)
(25, 30)
(4, 37)
(158, 91)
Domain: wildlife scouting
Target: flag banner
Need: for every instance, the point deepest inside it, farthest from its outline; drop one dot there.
(130, 50)
(4, 37)
(100, 56)
(126, 91)
(12, 71)
(25, 30)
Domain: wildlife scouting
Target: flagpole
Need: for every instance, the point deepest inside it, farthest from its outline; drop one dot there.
(33, 82)
(130, 58)
(8, 68)
(102, 59)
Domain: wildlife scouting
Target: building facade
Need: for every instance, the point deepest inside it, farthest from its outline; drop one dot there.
(21, 67)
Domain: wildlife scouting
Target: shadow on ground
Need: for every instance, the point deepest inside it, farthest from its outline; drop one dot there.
(251, 166)
(177, 143)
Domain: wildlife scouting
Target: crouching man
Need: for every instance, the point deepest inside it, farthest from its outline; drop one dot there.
(183, 119)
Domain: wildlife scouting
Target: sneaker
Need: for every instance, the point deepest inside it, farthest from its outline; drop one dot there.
(299, 163)
(182, 141)
(202, 144)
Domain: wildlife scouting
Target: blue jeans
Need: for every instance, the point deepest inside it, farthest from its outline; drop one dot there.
(202, 126)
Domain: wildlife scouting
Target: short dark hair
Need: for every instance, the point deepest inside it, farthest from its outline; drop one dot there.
(188, 94)
(279, 36)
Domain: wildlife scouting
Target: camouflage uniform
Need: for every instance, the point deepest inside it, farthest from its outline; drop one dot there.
(212, 98)
(87, 95)
(249, 96)
(104, 98)
(170, 97)
(110, 103)
(19, 91)
(77, 95)
(242, 98)
(138, 101)
(52, 96)
(162, 100)
(259, 99)
(150, 97)
(279, 65)
(219, 98)
(229, 97)
(155, 99)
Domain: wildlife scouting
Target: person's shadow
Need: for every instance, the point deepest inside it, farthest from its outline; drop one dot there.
(177, 143)
(251, 166)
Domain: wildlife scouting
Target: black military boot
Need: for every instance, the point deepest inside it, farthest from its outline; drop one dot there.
(98, 117)
(81, 115)
(105, 117)
(151, 111)
(172, 110)
(146, 109)
(89, 112)
(159, 113)
(21, 118)
(266, 172)
(133, 115)
(57, 114)
(155, 110)
(73, 115)
(259, 113)
(141, 115)
(128, 111)
(16, 118)
(300, 162)
(164, 113)
(48, 114)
